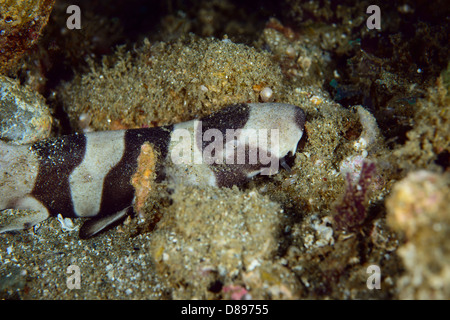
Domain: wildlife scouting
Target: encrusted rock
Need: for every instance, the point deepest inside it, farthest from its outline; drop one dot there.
(418, 206)
(21, 23)
(24, 116)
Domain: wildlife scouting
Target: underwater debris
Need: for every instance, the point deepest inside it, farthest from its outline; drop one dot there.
(352, 210)
(266, 94)
(236, 292)
(370, 131)
(367, 141)
(66, 223)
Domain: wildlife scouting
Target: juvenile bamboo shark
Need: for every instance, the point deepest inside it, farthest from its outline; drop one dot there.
(88, 175)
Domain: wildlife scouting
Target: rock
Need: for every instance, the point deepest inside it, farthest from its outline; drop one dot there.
(24, 116)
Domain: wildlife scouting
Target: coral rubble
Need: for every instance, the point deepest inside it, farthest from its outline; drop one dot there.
(418, 207)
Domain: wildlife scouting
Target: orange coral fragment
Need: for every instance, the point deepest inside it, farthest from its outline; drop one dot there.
(144, 176)
(257, 87)
(118, 125)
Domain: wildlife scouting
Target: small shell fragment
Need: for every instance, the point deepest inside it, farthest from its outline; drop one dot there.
(266, 94)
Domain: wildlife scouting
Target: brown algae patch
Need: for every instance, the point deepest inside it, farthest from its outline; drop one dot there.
(429, 138)
(165, 83)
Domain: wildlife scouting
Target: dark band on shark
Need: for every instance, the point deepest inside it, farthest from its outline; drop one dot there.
(300, 118)
(57, 158)
(118, 193)
(232, 117)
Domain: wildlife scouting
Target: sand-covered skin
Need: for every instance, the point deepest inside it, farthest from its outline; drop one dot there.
(372, 100)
